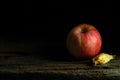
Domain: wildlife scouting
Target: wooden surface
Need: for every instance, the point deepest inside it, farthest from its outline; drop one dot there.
(28, 67)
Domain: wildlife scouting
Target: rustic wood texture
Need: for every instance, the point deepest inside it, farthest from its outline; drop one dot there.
(26, 67)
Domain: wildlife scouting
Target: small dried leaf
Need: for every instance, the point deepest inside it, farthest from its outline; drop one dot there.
(102, 58)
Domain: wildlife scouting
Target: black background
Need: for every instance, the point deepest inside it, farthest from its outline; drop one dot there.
(47, 23)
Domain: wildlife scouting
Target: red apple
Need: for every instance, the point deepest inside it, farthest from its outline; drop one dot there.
(84, 41)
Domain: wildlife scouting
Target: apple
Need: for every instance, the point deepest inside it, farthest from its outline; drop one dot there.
(84, 41)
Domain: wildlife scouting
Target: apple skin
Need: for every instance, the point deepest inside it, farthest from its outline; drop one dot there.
(84, 41)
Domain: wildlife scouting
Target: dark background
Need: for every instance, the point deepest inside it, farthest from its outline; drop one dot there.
(46, 25)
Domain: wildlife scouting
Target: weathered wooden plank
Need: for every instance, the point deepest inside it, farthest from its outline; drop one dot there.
(14, 65)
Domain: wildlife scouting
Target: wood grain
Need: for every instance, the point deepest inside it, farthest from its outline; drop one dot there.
(19, 66)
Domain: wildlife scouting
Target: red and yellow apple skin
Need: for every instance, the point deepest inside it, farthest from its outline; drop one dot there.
(84, 41)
